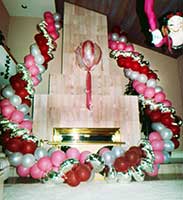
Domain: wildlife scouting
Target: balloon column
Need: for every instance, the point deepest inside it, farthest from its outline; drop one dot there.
(172, 27)
(88, 55)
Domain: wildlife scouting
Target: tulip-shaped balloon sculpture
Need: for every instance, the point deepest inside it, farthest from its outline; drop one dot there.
(88, 55)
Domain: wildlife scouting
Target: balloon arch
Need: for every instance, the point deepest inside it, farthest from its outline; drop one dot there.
(70, 166)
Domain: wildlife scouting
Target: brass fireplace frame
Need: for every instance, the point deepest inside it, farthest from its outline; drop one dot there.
(86, 133)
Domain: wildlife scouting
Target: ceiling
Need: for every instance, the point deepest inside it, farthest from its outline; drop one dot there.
(128, 14)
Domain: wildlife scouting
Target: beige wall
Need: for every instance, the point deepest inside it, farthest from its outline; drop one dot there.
(4, 20)
(21, 34)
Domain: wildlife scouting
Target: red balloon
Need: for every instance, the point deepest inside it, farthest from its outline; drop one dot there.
(135, 66)
(144, 70)
(166, 120)
(121, 61)
(138, 150)
(22, 93)
(71, 179)
(121, 164)
(82, 172)
(28, 146)
(152, 75)
(155, 116)
(175, 129)
(176, 142)
(26, 101)
(4, 138)
(14, 145)
(116, 29)
(132, 157)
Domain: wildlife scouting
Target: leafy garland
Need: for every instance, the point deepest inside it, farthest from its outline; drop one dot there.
(68, 165)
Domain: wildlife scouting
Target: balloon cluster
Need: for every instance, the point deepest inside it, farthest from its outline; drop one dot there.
(164, 123)
(117, 40)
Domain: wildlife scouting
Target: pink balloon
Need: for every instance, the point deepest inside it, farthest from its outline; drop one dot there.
(149, 92)
(17, 116)
(157, 145)
(49, 20)
(34, 70)
(54, 35)
(154, 136)
(7, 110)
(51, 28)
(121, 46)
(48, 14)
(29, 61)
(57, 157)
(56, 169)
(73, 153)
(135, 83)
(83, 156)
(113, 45)
(129, 47)
(36, 172)
(35, 80)
(140, 88)
(44, 164)
(159, 97)
(167, 103)
(23, 171)
(4, 102)
(159, 157)
(103, 150)
(155, 171)
(26, 124)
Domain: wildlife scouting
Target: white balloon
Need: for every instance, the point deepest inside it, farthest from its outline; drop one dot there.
(134, 75)
(114, 36)
(127, 72)
(23, 108)
(151, 83)
(57, 16)
(34, 49)
(15, 100)
(58, 25)
(142, 78)
(39, 59)
(8, 91)
(122, 39)
(158, 89)
(41, 68)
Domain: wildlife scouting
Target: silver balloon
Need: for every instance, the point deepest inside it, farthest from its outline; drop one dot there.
(15, 100)
(40, 152)
(117, 151)
(39, 77)
(15, 159)
(51, 150)
(114, 36)
(27, 117)
(168, 145)
(123, 38)
(166, 157)
(96, 161)
(57, 16)
(127, 72)
(151, 83)
(28, 160)
(8, 91)
(23, 108)
(108, 158)
(134, 75)
(166, 134)
(57, 25)
(111, 176)
(158, 89)
(124, 177)
(157, 126)
(39, 59)
(41, 68)
(34, 49)
(142, 78)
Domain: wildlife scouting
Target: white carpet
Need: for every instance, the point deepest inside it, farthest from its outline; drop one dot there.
(98, 190)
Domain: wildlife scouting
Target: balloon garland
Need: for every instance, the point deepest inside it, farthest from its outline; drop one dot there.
(24, 150)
